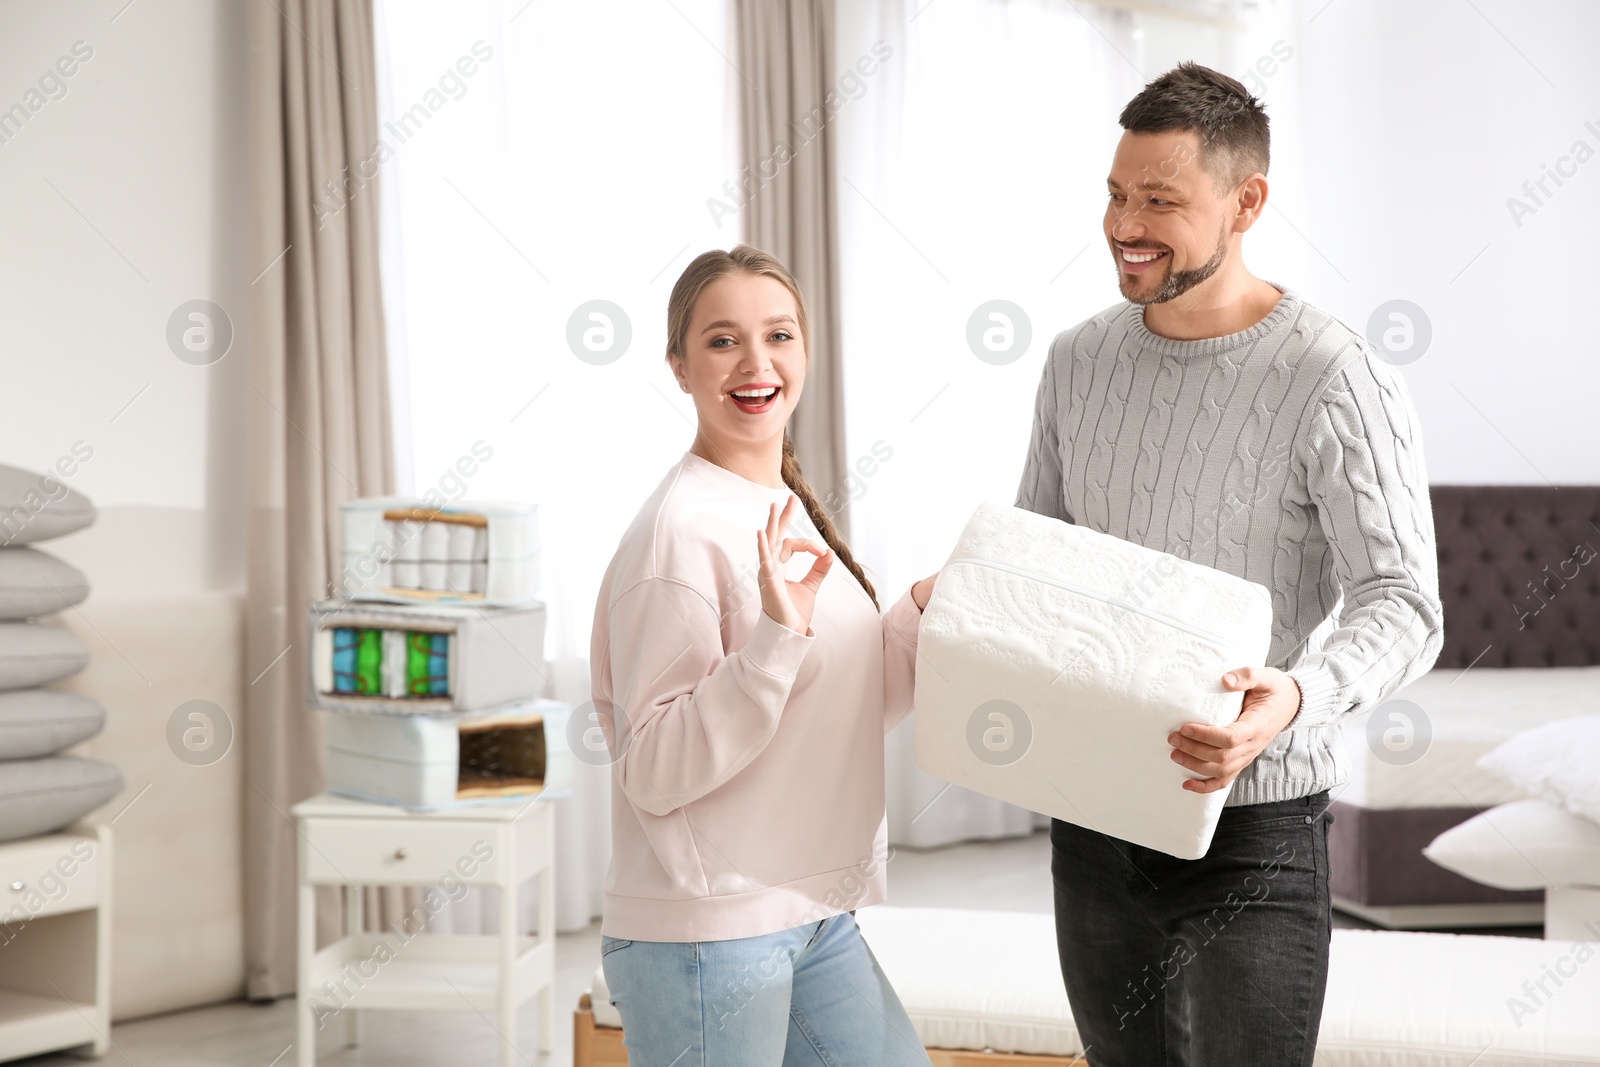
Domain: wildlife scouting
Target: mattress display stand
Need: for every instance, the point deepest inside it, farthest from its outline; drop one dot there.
(353, 843)
(55, 943)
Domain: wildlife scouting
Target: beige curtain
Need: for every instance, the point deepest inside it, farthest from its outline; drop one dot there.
(319, 429)
(785, 62)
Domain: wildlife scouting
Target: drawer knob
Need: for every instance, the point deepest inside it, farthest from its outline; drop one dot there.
(17, 887)
(400, 853)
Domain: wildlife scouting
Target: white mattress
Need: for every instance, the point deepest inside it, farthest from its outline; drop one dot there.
(414, 760)
(989, 980)
(410, 760)
(1446, 1000)
(410, 560)
(1055, 660)
(975, 979)
(1467, 715)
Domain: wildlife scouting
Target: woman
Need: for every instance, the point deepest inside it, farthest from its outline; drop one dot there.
(745, 714)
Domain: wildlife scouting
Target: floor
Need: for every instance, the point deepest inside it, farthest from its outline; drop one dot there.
(1009, 875)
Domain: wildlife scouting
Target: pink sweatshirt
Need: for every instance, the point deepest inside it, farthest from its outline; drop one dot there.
(747, 787)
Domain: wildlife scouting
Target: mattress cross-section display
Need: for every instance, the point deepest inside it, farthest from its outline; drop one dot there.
(425, 659)
(430, 761)
(1054, 661)
(392, 663)
(400, 550)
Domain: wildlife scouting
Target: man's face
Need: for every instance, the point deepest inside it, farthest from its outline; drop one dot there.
(1161, 202)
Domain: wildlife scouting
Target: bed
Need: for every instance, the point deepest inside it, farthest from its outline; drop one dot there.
(1520, 585)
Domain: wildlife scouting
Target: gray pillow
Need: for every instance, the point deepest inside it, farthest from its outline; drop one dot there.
(37, 507)
(39, 722)
(41, 795)
(36, 653)
(36, 583)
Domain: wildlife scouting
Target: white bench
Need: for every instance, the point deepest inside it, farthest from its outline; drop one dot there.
(983, 989)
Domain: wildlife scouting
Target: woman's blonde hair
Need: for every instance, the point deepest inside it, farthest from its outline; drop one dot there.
(743, 259)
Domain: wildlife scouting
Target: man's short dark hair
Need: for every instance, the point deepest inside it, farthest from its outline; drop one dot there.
(1232, 126)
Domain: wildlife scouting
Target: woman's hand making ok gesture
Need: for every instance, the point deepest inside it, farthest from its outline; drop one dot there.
(790, 603)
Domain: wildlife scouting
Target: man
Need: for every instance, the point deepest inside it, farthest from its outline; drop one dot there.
(1221, 418)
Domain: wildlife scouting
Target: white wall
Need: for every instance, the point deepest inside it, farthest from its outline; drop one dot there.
(1421, 120)
(1399, 133)
(124, 197)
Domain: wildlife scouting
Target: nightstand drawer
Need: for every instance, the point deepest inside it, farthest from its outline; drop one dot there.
(385, 852)
(48, 875)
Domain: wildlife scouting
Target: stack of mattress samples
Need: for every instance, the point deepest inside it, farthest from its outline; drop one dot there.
(431, 665)
(42, 790)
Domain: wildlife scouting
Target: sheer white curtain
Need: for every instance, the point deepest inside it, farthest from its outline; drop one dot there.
(540, 157)
(972, 169)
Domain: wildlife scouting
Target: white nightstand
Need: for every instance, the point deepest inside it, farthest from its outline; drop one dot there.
(353, 843)
(55, 942)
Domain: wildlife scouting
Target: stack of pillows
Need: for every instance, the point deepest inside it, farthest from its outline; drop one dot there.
(41, 791)
(1551, 839)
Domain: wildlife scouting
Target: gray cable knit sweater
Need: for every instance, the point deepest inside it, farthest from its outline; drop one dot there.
(1287, 453)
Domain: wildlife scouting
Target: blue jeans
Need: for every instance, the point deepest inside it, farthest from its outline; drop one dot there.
(1216, 962)
(806, 996)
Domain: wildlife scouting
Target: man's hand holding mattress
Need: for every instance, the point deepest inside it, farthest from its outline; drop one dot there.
(1219, 753)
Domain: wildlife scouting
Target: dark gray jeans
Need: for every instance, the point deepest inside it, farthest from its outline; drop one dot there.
(1215, 962)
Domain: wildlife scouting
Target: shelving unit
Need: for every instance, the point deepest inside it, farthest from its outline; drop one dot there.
(55, 943)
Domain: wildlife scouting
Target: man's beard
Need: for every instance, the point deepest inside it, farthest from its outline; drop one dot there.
(1181, 281)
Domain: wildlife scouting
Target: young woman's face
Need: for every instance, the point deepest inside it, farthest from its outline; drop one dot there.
(744, 338)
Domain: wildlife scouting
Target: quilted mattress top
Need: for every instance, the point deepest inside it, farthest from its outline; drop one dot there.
(1419, 748)
(1055, 660)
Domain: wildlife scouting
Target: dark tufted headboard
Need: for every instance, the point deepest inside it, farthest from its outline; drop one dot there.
(1519, 574)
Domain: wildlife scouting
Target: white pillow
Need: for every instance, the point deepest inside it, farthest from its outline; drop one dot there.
(37, 507)
(1054, 660)
(39, 722)
(41, 795)
(36, 583)
(1526, 844)
(38, 653)
(1556, 762)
